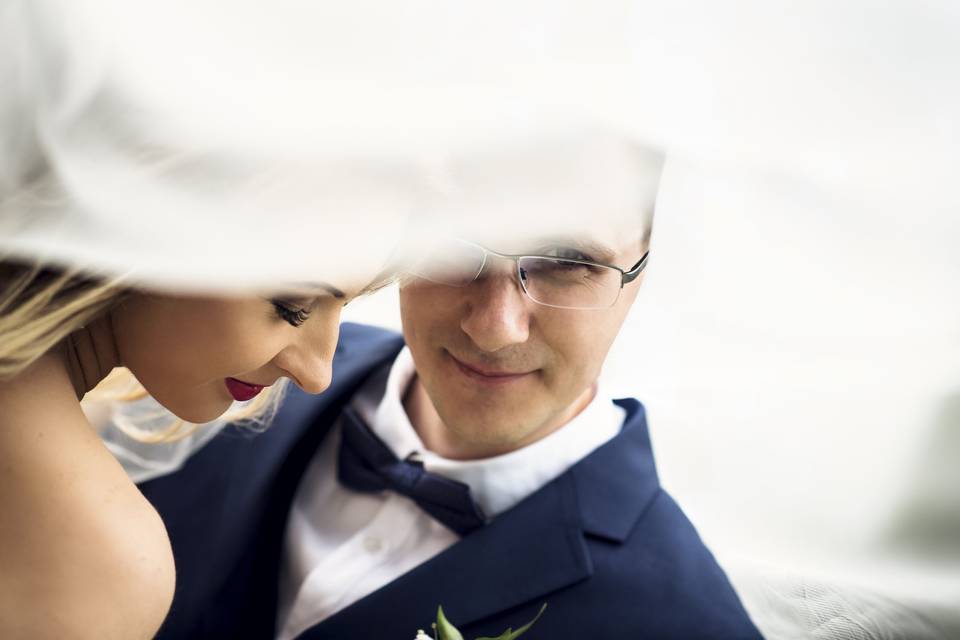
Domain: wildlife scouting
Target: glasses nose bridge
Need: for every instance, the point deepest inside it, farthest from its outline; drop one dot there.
(515, 277)
(503, 256)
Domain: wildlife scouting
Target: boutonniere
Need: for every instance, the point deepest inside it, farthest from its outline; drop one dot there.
(444, 630)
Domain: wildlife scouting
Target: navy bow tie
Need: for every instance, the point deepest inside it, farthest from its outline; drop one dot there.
(366, 464)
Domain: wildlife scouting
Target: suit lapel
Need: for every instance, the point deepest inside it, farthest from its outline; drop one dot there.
(532, 550)
(616, 482)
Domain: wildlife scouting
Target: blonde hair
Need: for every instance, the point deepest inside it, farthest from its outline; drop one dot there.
(41, 305)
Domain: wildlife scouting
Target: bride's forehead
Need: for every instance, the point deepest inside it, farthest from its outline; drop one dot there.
(343, 287)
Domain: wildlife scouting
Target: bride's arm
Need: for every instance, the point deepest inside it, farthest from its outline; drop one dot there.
(82, 553)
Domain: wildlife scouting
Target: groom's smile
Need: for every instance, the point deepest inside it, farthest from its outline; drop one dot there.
(495, 369)
(486, 374)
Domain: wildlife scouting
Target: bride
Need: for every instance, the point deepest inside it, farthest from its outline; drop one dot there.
(84, 554)
(101, 175)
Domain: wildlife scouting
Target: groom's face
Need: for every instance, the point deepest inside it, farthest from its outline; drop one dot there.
(500, 369)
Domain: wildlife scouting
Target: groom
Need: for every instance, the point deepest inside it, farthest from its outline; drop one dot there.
(475, 463)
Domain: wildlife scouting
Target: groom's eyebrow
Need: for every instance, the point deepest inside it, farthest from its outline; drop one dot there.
(598, 249)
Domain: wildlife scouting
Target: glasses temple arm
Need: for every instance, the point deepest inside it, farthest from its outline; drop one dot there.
(635, 270)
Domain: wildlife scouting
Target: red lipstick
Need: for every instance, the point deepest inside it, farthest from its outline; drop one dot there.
(241, 390)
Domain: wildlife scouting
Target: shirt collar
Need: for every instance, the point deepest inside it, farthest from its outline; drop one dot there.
(496, 483)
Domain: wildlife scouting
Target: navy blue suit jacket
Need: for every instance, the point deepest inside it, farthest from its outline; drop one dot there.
(603, 544)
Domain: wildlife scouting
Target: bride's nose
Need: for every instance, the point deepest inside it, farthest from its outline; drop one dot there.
(308, 361)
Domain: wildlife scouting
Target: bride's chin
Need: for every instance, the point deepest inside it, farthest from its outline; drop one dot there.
(210, 416)
(201, 412)
(191, 403)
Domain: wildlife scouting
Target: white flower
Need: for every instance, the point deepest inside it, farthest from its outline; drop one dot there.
(422, 636)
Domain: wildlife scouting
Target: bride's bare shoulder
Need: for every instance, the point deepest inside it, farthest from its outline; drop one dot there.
(77, 536)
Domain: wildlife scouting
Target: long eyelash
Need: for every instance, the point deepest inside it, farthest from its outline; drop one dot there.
(295, 317)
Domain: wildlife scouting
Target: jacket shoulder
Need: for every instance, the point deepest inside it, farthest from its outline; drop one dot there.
(665, 565)
(354, 333)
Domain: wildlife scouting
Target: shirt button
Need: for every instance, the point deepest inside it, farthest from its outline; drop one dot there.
(372, 544)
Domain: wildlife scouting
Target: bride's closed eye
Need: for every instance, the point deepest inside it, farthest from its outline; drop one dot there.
(294, 314)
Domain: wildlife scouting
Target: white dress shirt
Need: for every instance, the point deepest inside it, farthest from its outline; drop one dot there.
(341, 545)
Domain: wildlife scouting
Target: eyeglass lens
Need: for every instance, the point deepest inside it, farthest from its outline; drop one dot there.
(553, 282)
(563, 283)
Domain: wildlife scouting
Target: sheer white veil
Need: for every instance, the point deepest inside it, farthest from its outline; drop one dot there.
(193, 146)
(798, 323)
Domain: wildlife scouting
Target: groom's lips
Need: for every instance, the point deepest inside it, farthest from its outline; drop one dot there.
(241, 390)
(486, 375)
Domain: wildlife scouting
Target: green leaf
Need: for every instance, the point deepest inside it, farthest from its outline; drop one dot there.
(446, 630)
(510, 634)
